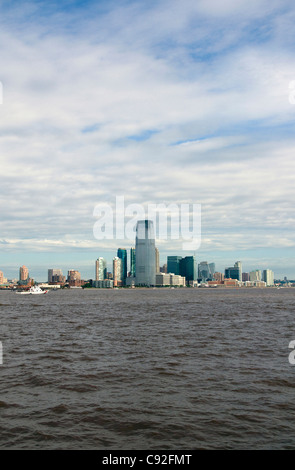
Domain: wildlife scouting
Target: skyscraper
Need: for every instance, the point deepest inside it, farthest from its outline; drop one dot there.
(188, 268)
(234, 272)
(117, 271)
(55, 274)
(268, 277)
(204, 271)
(173, 264)
(238, 265)
(132, 262)
(100, 269)
(157, 260)
(145, 254)
(23, 273)
(122, 254)
(255, 275)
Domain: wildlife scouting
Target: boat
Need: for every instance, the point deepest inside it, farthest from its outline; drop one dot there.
(33, 291)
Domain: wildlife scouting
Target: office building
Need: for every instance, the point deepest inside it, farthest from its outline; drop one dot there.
(245, 277)
(234, 272)
(74, 278)
(268, 277)
(23, 273)
(132, 262)
(169, 280)
(255, 275)
(117, 271)
(55, 275)
(188, 268)
(204, 272)
(173, 264)
(145, 254)
(163, 269)
(100, 269)
(157, 260)
(122, 254)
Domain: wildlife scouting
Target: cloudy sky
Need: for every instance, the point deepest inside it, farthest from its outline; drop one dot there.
(162, 102)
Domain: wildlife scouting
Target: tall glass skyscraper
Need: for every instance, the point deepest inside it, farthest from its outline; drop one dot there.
(122, 254)
(188, 268)
(173, 264)
(132, 262)
(145, 254)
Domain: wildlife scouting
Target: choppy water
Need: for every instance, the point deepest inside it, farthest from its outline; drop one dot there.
(148, 369)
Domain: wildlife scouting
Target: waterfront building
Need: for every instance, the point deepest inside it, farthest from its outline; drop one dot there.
(163, 269)
(234, 272)
(188, 268)
(212, 270)
(117, 271)
(74, 278)
(55, 275)
(100, 269)
(132, 262)
(245, 277)
(1, 277)
(23, 273)
(169, 280)
(103, 284)
(157, 260)
(219, 277)
(145, 254)
(204, 272)
(122, 254)
(268, 277)
(255, 275)
(173, 264)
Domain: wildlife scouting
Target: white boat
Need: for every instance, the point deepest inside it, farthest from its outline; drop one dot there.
(33, 290)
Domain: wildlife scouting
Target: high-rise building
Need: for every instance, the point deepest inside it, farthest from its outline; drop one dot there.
(188, 268)
(23, 273)
(238, 265)
(157, 260)
(117, 271)
(173, 264)
(245, 277)
(122, 254)
(145, 254)
(74, 278)
(163, 269)
(54, 274)
(1, 277)
(100, 269)
(255, 275)
(212, 270)
(132, 262)
(268, 277)
(204, 272)
(234, 272)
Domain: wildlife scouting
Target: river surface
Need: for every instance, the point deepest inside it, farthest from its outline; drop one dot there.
(141, 369)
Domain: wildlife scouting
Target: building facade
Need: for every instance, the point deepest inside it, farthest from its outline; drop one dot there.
(100, 269)
(268, 277)
(23, 273)
(122, 254)
(173, 264)
(145, 254)
(117, 272)
(132, 262)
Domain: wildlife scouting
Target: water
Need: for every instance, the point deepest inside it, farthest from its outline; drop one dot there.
(148, 369)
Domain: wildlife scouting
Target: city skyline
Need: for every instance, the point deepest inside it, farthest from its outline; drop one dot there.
(160, 102)
(178, 265)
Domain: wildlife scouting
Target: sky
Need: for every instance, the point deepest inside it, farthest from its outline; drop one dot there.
(159, 102)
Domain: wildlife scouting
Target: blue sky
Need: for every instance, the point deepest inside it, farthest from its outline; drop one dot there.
(159, 102)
